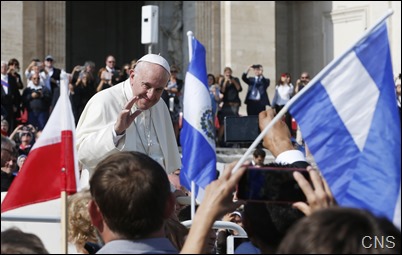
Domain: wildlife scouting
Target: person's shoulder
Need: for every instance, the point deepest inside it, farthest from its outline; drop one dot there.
(247, 248)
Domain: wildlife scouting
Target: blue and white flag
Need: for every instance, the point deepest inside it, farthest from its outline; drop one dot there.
(350, 122)
(197, 136)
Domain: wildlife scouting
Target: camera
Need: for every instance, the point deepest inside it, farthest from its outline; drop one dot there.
(271, 184)
(28, 129)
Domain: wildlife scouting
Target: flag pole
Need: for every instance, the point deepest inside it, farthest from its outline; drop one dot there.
(63, 219)
(190, 36)
(63, 194)
(304, 90)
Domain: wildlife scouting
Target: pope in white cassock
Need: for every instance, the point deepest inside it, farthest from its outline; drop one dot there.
(130, 117)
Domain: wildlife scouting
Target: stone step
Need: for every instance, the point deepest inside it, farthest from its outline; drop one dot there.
(228, 155)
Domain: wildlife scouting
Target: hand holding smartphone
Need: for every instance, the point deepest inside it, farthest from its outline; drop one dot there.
(271, 184)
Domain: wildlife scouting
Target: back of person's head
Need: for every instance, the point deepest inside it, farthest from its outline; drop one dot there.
(80, 228)
(15, 241)
(267, 223)
(340, 230)
(132, 192)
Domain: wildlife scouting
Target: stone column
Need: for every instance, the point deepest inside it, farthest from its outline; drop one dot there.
(207, 31)
(248, 37)
(11, 30)
(55, 31)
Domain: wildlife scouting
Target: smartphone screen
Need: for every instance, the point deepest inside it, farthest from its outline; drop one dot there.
(243, 129)
(271, 184)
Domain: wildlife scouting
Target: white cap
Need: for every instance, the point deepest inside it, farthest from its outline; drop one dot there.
(155, 59)
(236, 213)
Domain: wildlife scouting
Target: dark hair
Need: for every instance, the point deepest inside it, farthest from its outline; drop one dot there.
(176, 232)
(340, 230)
(269, 222)
(15, 241)
(259, 152)
(213, 78)
(131, 190)
(13, 61)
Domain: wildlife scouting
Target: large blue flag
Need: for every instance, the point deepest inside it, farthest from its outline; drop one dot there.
(197, 136)
(350, 122)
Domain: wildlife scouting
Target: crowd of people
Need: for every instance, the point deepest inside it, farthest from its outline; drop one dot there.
(127, 142)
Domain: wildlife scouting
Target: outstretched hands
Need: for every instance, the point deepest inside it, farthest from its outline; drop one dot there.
(217, 201)
(218, 197)
(318, 194)
(125, 117)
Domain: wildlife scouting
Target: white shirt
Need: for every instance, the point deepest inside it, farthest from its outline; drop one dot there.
(289, 157)
(283, 94)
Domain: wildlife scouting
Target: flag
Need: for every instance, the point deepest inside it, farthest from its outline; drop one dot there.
(197, 136)
(350, 122)
(41, 177)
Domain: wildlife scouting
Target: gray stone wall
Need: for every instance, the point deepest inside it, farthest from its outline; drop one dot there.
(33, 29)
(11, 30)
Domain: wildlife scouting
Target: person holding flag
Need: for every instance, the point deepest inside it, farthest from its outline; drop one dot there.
(347, 114)
(55, 147)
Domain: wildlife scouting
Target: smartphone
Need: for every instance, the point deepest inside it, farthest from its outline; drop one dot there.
(271, 184)
(241, 129)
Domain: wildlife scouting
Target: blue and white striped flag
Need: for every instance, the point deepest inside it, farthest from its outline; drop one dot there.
(350, 122)
(197, 136)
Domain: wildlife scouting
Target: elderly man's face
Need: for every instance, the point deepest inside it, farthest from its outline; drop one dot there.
(148, 82)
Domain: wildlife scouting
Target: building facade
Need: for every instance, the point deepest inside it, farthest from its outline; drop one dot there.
(283, 36)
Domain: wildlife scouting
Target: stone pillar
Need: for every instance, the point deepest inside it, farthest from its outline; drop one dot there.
(248, 37)
(207, 29)
(33, 33)
(11, 30)
(55, 31)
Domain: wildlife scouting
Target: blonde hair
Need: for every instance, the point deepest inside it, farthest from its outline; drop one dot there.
(80, 229)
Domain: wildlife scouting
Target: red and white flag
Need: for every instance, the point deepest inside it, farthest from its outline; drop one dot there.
(51, 166)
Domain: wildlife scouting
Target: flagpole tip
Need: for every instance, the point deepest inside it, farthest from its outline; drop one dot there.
(190, 33)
